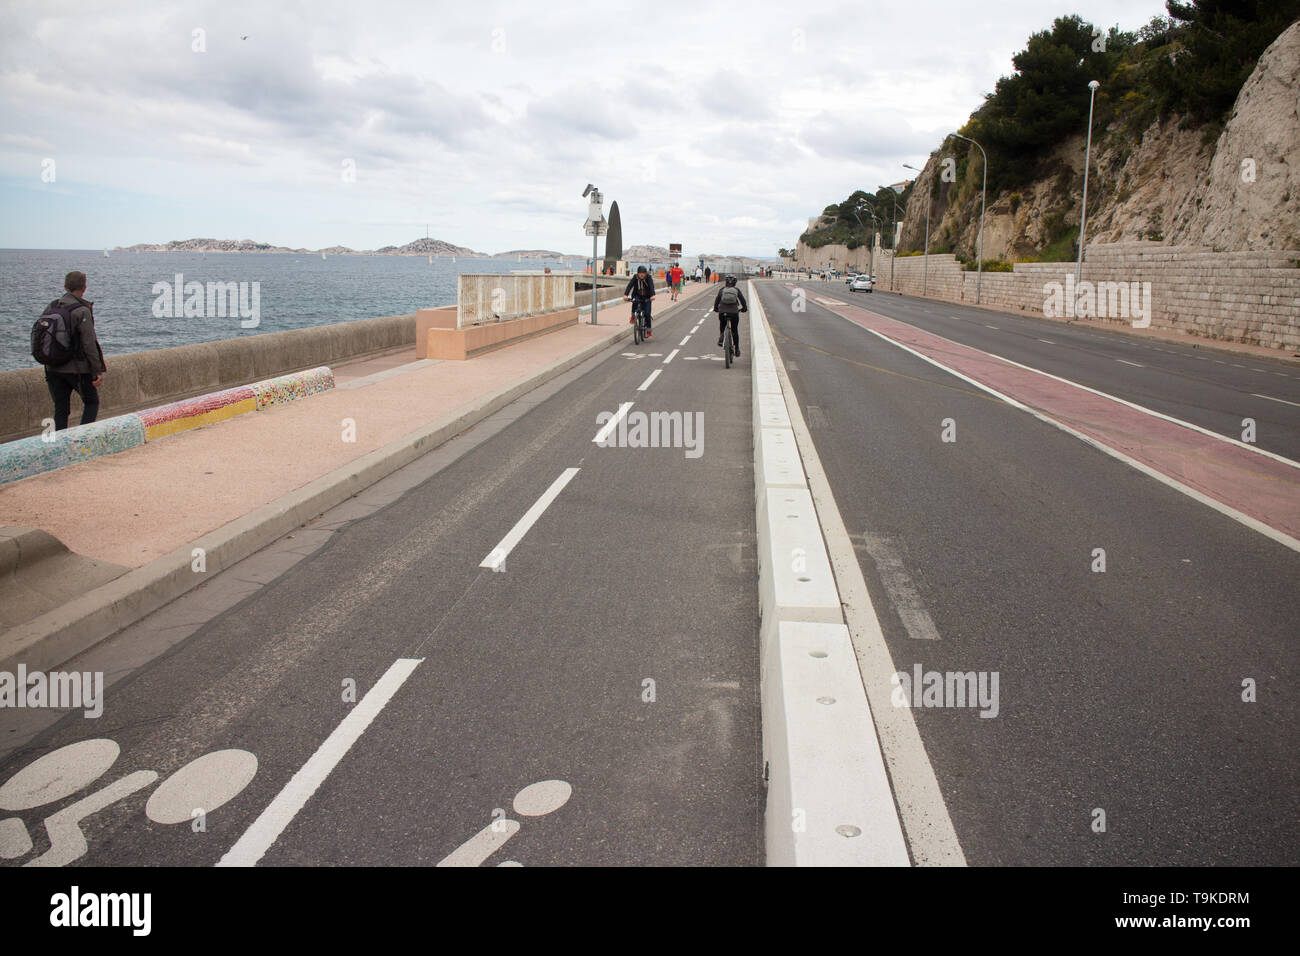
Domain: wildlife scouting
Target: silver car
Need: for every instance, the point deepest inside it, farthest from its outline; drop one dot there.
(861, 283)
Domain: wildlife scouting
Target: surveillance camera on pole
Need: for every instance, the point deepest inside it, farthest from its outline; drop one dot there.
(596, 226)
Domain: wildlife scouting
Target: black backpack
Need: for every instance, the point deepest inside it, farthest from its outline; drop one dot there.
(54, 336)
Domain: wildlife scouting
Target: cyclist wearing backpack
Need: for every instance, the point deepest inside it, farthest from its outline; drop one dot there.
(642, 289)
(67, 346)
(730, 302)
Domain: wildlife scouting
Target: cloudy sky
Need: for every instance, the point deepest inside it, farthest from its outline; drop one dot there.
(721, 125)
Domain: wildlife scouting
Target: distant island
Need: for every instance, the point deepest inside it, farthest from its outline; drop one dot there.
(419, 247)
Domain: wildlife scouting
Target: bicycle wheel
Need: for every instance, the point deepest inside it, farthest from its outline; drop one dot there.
(727, 347)
(638, 331)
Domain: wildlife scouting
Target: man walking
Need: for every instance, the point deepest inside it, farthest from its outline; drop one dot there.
(85, 370)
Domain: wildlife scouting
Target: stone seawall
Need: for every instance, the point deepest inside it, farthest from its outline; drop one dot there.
(139, 380)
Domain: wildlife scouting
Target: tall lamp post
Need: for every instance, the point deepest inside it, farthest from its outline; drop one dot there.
(871, 210)
(894, 239)
(979, 242)
(594, 223)
(1087, 154)
(925, 256)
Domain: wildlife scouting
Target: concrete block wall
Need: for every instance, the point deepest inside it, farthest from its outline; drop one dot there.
(1249, 297)
(139, 380)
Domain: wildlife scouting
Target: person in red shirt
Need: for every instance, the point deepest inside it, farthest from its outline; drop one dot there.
(675, 277)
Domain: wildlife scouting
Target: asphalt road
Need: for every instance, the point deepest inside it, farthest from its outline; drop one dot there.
(613, 655)
(1119, 691)
(1206, 387)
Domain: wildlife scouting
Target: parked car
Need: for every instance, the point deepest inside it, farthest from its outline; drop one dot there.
(861, 284)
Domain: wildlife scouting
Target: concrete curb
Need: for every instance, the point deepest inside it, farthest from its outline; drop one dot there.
(57, 636)
(829, 800)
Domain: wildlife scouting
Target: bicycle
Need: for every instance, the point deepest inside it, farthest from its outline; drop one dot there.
(728, 345)
(638, 318)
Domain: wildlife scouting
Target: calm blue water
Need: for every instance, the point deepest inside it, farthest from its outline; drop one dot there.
(296, 291)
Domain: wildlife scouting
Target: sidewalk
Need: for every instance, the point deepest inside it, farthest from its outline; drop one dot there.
(147, 507)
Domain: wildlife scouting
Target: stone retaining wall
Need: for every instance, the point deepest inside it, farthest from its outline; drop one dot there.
(1249, 297)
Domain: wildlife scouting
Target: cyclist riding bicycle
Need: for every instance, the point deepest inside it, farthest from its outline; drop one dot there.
(641, 289)
(729, 303)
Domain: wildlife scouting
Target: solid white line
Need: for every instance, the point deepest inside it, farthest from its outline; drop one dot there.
(671, 355)
(1127, 362)
(610, 425)
(498, 554)
(1272, 399)
(1281, 537)
(266, 829)
(646, 384)
(1133, 405)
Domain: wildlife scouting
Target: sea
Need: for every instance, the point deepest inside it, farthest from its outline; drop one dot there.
(296, 291)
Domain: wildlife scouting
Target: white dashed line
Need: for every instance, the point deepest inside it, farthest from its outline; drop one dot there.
(671, 355)
(266, 829)
(497, 556)
(610, 425)
(1127, 362)
(684, 341)
(1046, 342)
(646, 384)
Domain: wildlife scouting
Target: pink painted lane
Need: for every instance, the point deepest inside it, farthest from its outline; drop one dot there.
(1255, 485)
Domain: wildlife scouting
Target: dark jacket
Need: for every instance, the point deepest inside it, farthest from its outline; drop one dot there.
(717, 301)
(650, 284)
(91, 359)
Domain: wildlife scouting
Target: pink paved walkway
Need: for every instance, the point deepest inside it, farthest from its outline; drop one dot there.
(1256, 485)
(138, 505)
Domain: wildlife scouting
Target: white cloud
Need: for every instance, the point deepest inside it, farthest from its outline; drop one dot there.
(721, 130)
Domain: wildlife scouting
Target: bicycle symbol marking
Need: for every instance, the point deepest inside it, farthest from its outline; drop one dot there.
(535, 800)
(197, 788)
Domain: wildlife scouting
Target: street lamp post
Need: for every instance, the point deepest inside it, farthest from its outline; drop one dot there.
(861, 204)
(979, 242)
(925, 256)
(594, 219)
(1083, 215)
(894, 239)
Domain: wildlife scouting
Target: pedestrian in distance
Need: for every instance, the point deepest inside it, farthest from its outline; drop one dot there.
(73, 359)
(676, 275)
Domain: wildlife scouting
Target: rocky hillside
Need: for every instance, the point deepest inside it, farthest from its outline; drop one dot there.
(1199, 174)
